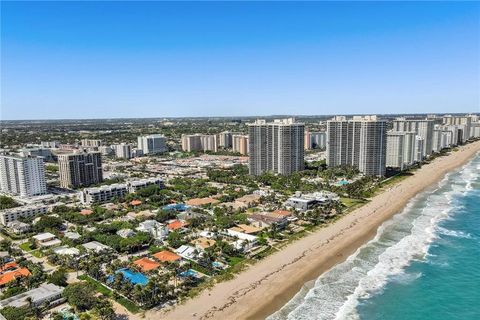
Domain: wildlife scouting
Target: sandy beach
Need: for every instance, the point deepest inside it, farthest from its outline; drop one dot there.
(268, 285)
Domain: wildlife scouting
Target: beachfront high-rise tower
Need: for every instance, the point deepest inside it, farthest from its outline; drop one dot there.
(276, 146)
(422, 128)
(359, 142)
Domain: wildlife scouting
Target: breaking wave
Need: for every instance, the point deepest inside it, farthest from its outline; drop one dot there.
(406, 237)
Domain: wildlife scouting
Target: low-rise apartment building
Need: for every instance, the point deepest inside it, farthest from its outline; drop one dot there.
(28, 211)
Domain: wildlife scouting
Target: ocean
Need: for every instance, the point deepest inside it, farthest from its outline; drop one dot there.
(424, 263)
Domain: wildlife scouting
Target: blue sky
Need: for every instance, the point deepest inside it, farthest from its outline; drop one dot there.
(154, 59)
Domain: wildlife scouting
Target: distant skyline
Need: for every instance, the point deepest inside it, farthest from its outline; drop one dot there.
(195, 59)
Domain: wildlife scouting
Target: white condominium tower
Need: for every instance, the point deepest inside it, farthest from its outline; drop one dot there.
(23, 176)
(123, 151)
(80, 169)
(400, 149)
(154, 143)
(422, 128)
(91, 143)
(359, 142)
(442, 138)
(464, 123)
(199, 142)
(277, 146)
(339, 141)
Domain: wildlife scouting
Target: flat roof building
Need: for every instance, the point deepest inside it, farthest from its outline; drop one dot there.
(153, 143)
(240, 144)
(359, 142)
(104, 193)
(23, 176)
(80, 169)
(28, 211)
(199, 142)
(46, 293)
(276, 147)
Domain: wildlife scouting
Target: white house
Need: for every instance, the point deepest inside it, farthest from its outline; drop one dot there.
(243, 241)
(46, 239)
(96, 246)
(66, 251)
(158, 230)
(188, 252)
(126, 233)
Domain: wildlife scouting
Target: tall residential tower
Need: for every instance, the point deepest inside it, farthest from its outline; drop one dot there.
(23, 176)
(80, 169)
(359, 142)
(276, 147)
(154, 143)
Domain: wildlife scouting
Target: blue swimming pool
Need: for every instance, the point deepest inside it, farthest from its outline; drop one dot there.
(132, 276)
(176, 207)
(342, 182)
(189, 273)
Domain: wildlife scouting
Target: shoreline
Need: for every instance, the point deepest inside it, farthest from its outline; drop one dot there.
(268, 285)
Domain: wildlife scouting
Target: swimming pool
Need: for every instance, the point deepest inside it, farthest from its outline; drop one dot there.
(68, 315)
(342, 183)
(189, 273)
(132, 276)
(176, 207)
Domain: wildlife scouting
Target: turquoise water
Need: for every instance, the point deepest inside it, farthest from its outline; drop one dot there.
(132, 276)
(423, 264)
(175, 206)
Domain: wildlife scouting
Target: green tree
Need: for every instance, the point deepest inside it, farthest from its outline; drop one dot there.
(58, 277)
(48, 222)
(104, 309)
(13, 313)
(175, 239)
(80, 296)
(7, 202)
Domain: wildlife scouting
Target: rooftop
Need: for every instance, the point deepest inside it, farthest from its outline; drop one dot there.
(12, 273)
(44, 236)
(203, 243)
(95, 246)
(86, 212)
(176, 224)
(201, 201)
(45, 291)
(146, 264)
(135, 202)
(165, 256)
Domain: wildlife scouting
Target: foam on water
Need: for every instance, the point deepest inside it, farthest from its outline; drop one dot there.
(405, 238)
(453, 233)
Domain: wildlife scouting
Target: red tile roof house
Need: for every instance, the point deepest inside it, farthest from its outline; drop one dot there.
(86, 212)
(166, 256)
(135, 202)
(176, 224)
(11, 271)
(146, 264)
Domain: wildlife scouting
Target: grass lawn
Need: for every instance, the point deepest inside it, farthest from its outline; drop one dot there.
(234, 260)
(36, 253)
(129, 305)
(98, 286)
(351, 202)
(155, 249)
(25, 246)
(202, 269)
